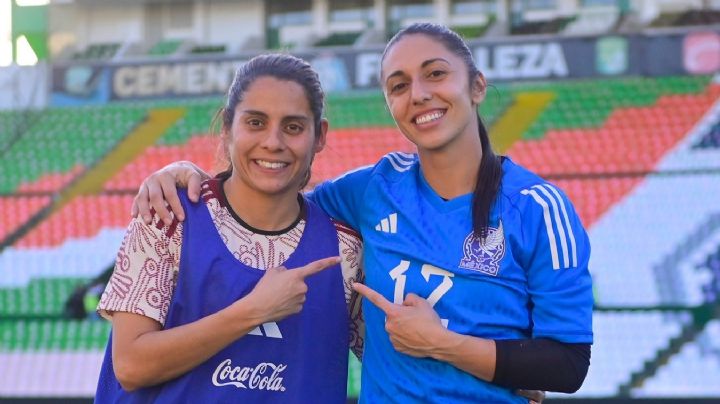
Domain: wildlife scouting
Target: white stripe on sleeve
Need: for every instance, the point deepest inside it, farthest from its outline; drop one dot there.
(571, 235)
(548, 226)
(558, 224)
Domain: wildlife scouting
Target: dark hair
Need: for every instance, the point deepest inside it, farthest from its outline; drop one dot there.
(282, 67)
(490, 171)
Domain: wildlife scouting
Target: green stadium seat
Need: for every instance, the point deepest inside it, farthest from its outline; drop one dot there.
(339, 39)
(165, 47)
(97, 52)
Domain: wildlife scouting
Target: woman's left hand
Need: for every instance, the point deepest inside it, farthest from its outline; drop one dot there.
(414, 327)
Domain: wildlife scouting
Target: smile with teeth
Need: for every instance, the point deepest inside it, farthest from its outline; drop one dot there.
(271, 164)
(429, 117)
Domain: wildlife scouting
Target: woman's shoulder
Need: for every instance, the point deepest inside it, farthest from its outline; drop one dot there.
(390, 165)
(518, 182)
(396, 164)
(346, 232)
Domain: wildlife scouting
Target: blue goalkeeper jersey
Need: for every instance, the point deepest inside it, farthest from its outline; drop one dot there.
(527, 279)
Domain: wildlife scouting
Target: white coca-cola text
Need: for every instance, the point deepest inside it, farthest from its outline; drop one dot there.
(263, 376)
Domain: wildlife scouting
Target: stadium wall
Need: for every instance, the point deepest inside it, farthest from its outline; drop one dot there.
(146, 24)
(690, 51)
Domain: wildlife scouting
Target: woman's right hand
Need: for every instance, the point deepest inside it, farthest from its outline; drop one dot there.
(281, 292)
(159, 192)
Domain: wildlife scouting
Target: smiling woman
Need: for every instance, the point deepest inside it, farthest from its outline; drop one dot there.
(270, 146)
(205, 310)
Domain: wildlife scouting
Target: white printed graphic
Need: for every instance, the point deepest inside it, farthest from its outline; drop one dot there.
(263, 376)
(388, 225)
(427, 270)
(398, 275)
(271, 330)
(484, 255)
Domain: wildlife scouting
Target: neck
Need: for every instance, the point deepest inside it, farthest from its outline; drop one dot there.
(264, 212)
(452, 171)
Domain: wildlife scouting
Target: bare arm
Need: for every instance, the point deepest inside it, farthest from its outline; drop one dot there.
(144, 354)
(471, 354)
(160, 187)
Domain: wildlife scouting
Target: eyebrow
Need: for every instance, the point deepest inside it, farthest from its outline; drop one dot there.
(422, 65)
(285, 118)
(254, 112)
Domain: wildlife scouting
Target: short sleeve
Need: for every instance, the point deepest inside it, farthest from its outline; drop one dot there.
(350, 247)
(145, 271)
(555, 255)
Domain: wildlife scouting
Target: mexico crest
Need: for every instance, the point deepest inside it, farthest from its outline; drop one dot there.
(484, 255)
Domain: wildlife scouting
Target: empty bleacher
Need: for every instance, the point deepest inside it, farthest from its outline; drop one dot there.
(552, 26)
(165, 47)
(339, 39)
(686, 18)
(694, 372)
(16, 211)
(623, 341)
(593, 21)
(61, 139)
(100, 51)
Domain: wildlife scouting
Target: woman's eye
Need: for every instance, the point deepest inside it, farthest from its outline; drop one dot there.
(255, 123)
(294, 128)
(437, 73)
(397, 87)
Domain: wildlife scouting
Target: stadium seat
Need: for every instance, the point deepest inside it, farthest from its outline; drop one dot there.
(622, 345)
(165, 47)
(61, 143)
(694, 372)
(593, 21)
(99, 51)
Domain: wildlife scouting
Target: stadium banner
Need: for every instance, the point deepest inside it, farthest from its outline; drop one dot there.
(341, 69)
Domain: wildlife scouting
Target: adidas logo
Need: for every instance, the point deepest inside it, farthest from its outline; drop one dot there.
(271, 330)
(388, 225)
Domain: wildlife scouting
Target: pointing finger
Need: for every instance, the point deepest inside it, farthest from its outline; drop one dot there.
(374, 297)
(317, 266)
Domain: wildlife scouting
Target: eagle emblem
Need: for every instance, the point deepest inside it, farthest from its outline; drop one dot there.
(484, 255)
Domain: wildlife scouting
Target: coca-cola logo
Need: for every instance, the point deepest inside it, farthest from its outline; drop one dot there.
(263, 376)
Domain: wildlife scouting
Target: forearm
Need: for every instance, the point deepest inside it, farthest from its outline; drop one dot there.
(156, 356)
(473, 355)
